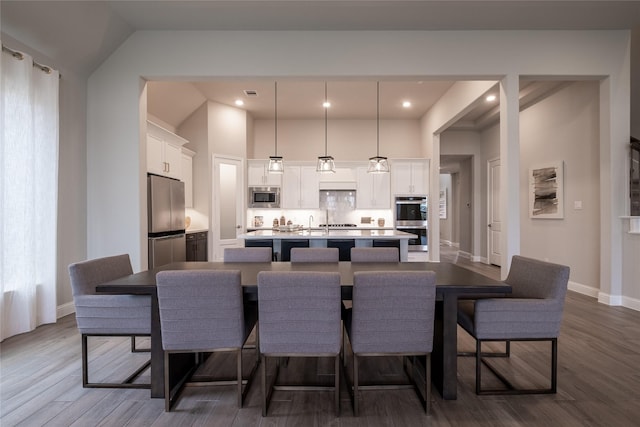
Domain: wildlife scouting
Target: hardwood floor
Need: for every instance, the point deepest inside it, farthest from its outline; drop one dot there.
(598, 383)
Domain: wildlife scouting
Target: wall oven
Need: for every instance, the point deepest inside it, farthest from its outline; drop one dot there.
(264, 197)
(411, 217)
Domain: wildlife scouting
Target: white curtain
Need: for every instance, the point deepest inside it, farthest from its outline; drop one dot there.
(28, 194)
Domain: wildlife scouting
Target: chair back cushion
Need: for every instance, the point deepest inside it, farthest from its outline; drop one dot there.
(315, 255)
(86, 275)
(250, 254)
(393, 312)
(200, 309)
(378, 254)
(299, 312)
(532, 278)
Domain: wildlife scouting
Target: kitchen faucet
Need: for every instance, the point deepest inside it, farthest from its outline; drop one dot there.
(326, 223)
(310, 219)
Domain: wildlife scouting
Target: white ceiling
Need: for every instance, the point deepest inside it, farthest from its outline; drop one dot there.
(81, 34)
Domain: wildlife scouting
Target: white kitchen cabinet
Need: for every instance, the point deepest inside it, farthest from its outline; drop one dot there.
(258, 176)
(374, 190)
(164, 151)
(300, 188)
(187, 176)
(410, 177)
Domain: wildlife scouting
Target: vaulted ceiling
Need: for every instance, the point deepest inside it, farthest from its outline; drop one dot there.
(82, 34)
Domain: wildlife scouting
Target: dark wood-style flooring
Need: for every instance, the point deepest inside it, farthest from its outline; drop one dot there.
(598, 383)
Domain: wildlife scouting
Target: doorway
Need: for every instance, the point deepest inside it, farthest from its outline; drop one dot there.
(227, 204)
(494, 224)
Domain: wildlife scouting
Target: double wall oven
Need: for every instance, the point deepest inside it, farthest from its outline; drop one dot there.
(411, 217)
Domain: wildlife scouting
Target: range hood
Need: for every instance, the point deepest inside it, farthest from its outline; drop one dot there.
(342, 179)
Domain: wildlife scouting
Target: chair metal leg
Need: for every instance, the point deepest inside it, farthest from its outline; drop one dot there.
(427, 384)
(355, 385)
(263, 382)
(480, 359)
(127, 383)
(337, 385)
(239, 376)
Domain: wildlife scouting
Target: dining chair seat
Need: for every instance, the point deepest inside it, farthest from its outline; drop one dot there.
(393, 314)
(108, 315)
(315, 255)
(532, 312)
(377, 254)
(202, 311)
(248, 254)
(299, 315)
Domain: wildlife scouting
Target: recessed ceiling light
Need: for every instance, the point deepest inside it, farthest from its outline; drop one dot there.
(406, 104)
(326, 104)
(491, 98)
(239, 102)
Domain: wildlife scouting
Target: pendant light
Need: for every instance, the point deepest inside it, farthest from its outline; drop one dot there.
(275, 161)
(378, 164)
(325, 163)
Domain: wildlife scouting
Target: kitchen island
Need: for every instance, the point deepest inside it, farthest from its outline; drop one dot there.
(318, 238)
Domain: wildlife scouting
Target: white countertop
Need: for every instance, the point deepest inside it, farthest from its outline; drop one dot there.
(332, 234)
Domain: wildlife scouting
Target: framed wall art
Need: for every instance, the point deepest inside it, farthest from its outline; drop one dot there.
(546, 191)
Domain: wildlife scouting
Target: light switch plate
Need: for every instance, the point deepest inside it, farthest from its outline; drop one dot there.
(577, 204)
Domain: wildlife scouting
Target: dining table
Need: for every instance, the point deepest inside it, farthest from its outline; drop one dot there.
(452, 283)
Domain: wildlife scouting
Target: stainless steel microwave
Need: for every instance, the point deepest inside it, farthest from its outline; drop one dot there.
(264, 197)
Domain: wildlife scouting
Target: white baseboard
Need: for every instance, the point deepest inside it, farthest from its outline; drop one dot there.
(632, 303)
(583, 289)
(449, 243)
(465, 255)
(65, 310)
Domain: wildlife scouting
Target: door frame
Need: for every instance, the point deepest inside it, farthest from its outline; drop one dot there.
(216, 247)
(490, 195)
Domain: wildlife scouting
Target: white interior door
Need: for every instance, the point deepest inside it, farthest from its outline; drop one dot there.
(494, 226)
(227, 204)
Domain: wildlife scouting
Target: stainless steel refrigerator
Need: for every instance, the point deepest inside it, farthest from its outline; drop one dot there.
(165, 208)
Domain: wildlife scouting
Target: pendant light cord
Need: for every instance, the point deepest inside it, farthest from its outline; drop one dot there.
(326, 111)
(378, 119)
(275, 124)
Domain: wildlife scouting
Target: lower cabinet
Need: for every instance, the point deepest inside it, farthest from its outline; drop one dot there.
(197, 246)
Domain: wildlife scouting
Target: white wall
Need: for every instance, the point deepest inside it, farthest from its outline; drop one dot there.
(347, 140)
(114, 106)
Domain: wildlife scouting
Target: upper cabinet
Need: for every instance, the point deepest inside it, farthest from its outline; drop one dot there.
(300, 188)
(164, 151)
(258, 176)
(410, 176)
(374, 190)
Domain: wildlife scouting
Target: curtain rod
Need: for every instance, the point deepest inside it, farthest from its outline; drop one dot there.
(20, 56)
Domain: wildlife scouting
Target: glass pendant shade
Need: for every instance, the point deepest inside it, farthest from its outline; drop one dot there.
(275, 165)
(326, 164)
(378, 164)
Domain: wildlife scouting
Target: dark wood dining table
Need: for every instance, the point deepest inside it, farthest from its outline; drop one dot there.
(452, 283)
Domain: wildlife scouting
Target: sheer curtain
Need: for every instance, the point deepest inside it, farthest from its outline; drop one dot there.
(28, 194)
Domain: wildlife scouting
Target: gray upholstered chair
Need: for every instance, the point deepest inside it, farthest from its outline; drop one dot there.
(533, 312)
(393, 314)
(299, 317)
(202, 311)
(315, 255)
(378, 254)
(108, 315)
(250, 254)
